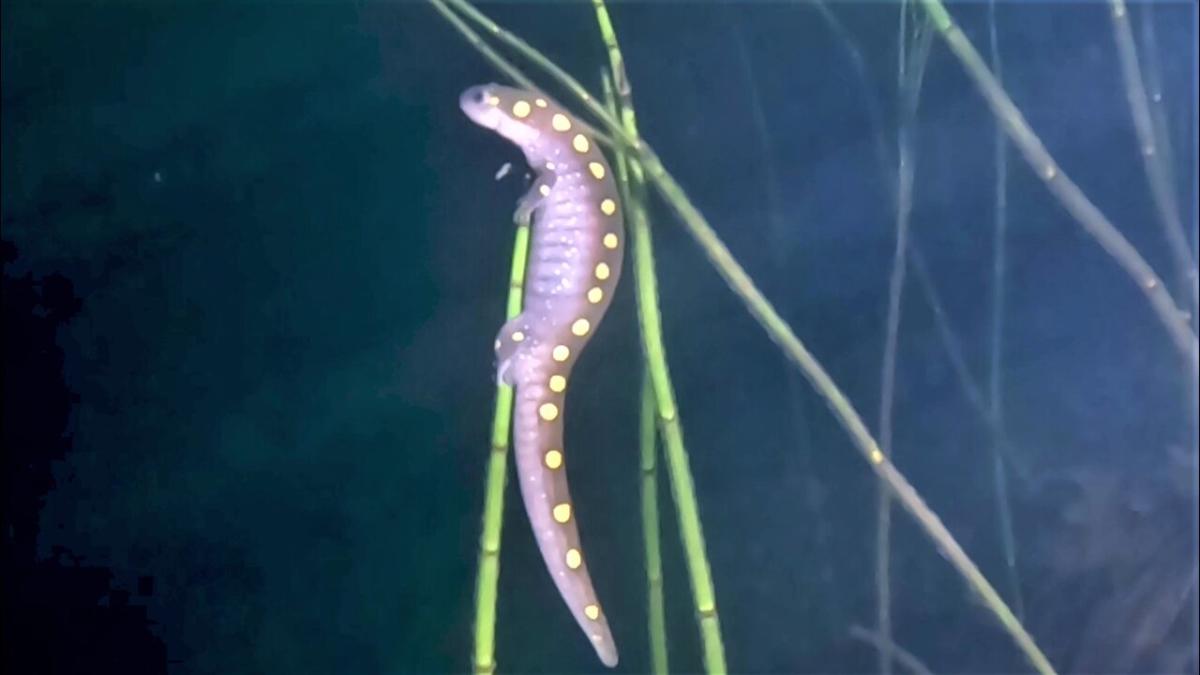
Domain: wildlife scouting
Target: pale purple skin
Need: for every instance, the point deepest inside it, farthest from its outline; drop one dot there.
(576, 248)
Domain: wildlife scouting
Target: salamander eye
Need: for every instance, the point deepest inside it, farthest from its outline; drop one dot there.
(478, 96)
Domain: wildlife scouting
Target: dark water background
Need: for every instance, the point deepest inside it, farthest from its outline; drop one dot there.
(255, 259)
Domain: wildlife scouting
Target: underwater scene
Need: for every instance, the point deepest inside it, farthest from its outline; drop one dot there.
(637, 336)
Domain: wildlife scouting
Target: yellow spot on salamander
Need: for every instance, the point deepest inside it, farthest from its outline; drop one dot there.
(518, 336)
(544, 190)
(560, 122)
(557, 383)
(597, 169)
(540, 102)
(595, 295)
(574, 558)
(548, 411)
(608, 207)
(581, 327)
(580, 143)
(562, 512)
(560, 353)
(610, 241)
(553, 459)
(521, 109)
(592, 612)
(602, 271)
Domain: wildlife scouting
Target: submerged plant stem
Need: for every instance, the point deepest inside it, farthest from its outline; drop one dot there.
(650, 321)
(655, 606)
(995, 357)
(912, 663)
(778, 330)
(484, 659)
(1158, 171)
(1089, 217)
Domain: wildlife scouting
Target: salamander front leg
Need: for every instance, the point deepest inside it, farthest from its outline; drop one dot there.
(509, 352)
(533, 198)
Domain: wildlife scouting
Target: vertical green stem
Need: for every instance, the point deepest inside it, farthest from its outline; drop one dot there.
(650, 321)
(655, 606)
(652, 538)
(678, 469)
(493, 502)
(678, 465)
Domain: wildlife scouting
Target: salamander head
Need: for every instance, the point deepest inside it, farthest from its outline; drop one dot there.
(513, 113)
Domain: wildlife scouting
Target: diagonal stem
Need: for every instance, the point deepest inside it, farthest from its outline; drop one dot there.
(1089, 217)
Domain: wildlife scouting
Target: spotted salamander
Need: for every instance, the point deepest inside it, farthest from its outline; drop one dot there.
(574, 263)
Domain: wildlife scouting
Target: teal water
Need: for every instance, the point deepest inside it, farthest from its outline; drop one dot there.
(290, 254)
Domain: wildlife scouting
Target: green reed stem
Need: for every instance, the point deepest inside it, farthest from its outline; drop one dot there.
(778, 330)
(678, 469)
(631, 197)
(493, 57)
(655, 605)
(650, 320)
(496, 477)
(1089, 217)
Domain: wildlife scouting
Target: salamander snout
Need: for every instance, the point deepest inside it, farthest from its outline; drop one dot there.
(473, 96)
(480, 104)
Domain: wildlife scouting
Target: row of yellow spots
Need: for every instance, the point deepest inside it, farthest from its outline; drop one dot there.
(521, 109)
(562, 124)
(549, 411)
(581, 327)
(602, 271)
(574, 559)
(562, 515)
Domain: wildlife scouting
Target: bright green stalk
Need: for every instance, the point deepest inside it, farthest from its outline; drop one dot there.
(678, 470)
(493, 502)
(650, 321)
(655, 606)
(1093, 221)
(778, 330)
(652, 538)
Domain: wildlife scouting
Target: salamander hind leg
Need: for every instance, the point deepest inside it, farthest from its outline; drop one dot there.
(509, 349)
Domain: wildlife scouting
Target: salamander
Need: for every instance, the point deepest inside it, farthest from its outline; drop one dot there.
(576, 246)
